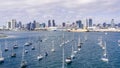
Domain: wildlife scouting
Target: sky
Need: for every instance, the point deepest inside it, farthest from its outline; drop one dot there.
(60, 10)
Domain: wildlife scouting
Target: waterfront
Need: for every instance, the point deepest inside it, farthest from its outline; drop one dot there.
(88, 57)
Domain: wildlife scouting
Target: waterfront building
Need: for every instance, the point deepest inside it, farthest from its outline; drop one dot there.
(12, 25)
(49, 23)
(79, 24)
(53, 23)
(90, 23)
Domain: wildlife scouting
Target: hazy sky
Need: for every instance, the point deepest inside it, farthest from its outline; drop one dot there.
(60, 10)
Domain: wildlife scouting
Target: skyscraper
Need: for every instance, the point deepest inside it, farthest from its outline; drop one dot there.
(49, 23)
(104, 24)
(86, 23)
(12, 25)
(9, 25)
(112, 23)
(63, 24)
(53, 22)
(90, 23)
(79, 24)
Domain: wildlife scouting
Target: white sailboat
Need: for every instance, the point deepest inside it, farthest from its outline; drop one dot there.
(75, 50)
(101, 44)
(33, 48)
(53, 48)
(79, 45)
(28, 43)
(85, 37)
(68, 60)
(23, 62)
(1, 57)
(6, 47)
(15, 45)
(39, 57)
(63, 58)
(72, 53)
(105, 58)
(13, 54)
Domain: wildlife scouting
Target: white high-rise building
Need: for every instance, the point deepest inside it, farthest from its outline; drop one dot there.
(12, 25)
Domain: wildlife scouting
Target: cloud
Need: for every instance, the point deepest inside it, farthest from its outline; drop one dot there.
(58, 9)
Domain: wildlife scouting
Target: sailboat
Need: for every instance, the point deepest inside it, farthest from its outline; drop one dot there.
(33, 48)
(6, 47)
(68, 60)
(72, 53)
(53, 49)
(85, 37)
(39, 57)
(26, 50)
(28, 43)
(1, 57)
(63, 58)
(101, 43)
(23, 62)
(13, 54)
(105, 58)
(75, 51)
(15, 45)
(79, 45)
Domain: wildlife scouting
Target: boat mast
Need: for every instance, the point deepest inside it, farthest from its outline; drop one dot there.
(0, 52)
(53, 44)
(23, 54)
(79, 41)
(63, 53)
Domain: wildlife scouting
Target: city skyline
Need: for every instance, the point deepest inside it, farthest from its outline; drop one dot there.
(60, 10)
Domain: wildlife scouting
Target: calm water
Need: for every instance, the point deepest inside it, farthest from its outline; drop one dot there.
(89, 56)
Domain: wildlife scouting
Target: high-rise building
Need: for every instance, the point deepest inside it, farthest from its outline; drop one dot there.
(86, 23)
(28, 26)
(12, 25)
(9, 25)
(37, 25)
(112, 23)
(79, 24)
(90, 23)
(19, 24)
(63, 24)
(53, 22)
(104, 24)
(33, 25)
(49, 23)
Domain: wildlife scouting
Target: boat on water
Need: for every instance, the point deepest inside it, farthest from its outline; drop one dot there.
(33, 48)
(39, 57)
(1, 57)
(68, 60)
(23, 62)
(79, 45)
(26, 51)
(53, 47)
(6, 46)
(15, 45)
(13, 55)
(105, 58)
(28, 43)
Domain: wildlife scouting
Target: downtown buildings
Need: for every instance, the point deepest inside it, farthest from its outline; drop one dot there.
(52, 25)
